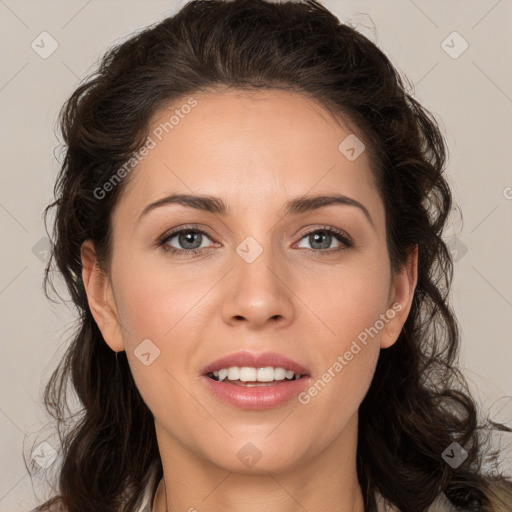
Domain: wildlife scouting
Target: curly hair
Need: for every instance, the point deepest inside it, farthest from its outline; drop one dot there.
(418, 402)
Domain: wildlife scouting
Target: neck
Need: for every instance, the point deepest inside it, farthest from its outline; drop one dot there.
(326, 482)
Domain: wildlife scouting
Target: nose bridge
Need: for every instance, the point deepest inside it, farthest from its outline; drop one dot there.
(258, 290)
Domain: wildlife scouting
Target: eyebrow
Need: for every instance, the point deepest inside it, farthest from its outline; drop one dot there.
(217, 206)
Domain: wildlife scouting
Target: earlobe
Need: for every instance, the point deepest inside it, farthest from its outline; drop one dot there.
(401, 296)
(100, 297)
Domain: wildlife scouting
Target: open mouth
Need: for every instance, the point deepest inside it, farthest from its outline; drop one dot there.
(249, 377)
(256, 384)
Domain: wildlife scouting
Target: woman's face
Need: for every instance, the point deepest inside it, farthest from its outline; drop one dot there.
(263, 279)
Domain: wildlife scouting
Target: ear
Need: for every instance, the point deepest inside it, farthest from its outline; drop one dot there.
(400, 299)
(100, 297)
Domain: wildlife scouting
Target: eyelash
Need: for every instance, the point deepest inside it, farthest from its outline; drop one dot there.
(339, 235)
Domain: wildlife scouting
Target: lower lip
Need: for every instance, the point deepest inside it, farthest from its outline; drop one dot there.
(256, 397)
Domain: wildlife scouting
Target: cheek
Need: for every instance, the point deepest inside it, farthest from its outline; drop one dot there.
(347, 299)
(350, 302)
(152, 301)
(164, 305)
(342, 381)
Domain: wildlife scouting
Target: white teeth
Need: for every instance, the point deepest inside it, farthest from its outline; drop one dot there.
(246, 374)
(265, 374)
(279, 373)
(233, 373)
(250, 374)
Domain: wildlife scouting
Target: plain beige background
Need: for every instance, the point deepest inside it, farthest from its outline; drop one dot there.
(469, 92)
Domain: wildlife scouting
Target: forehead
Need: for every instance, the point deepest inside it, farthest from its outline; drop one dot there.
(250, 148)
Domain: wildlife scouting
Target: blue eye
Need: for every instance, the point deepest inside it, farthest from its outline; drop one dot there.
(191, 240)
(324, 237)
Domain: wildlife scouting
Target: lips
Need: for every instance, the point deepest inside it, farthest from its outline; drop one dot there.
(256, 360)
(257, 397)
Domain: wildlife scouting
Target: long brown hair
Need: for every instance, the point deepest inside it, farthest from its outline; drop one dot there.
(418, 403)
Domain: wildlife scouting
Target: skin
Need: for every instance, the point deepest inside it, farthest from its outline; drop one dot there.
(255, 151)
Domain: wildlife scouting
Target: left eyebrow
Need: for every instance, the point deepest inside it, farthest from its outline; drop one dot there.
(304, 204)
(216, 205)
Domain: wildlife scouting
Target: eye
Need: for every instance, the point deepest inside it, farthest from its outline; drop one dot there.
(322, 238)
(190, 239)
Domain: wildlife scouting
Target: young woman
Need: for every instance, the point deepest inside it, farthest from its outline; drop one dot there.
(249, 219)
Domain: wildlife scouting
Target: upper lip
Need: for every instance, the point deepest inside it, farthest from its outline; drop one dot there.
(256, 360)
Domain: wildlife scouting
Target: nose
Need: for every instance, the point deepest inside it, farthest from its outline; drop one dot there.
(259, 293)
